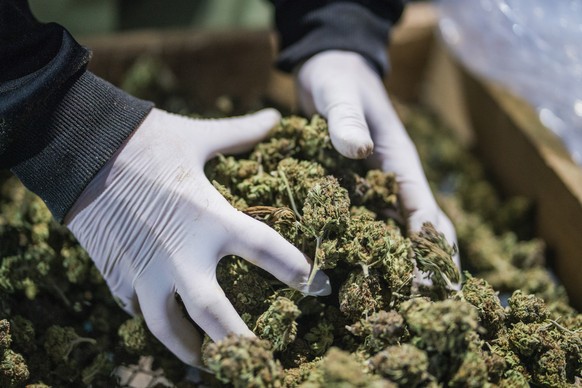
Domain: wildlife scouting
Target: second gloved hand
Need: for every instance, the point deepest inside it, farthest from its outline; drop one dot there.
(154, 225)
(343, 87)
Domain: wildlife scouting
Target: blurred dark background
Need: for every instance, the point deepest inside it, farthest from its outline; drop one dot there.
(90, 17)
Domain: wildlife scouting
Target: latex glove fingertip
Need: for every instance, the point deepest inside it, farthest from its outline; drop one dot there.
(319, 286)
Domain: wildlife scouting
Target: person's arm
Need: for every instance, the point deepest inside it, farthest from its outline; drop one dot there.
(308, 27)
(59, 123)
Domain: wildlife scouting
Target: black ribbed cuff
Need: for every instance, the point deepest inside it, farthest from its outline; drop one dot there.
(342, 25)
(87, 127)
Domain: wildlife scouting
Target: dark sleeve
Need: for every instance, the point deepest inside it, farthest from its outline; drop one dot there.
(307, 27)
(59, 124)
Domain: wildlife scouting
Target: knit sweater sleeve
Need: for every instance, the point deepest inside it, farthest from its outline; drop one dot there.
(307, 27)
(59, 123)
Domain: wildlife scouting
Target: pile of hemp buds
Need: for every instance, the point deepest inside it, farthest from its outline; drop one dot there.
(509, 325)
(379, 327)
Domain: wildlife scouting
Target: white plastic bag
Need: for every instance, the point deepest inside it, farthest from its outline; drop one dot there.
(534, 47)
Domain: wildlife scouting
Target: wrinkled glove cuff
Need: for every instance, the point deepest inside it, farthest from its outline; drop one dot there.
(87, 127)
(342, 25)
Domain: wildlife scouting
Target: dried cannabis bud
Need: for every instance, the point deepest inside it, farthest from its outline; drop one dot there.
(405, 365)
(326, 209)
(244, 362)
(278, 324)
(320, 338)
(247, 290)
(379, 330)
(13, 369)
(5, 337)
(442, 326)
(527, 308)
(341, 369)
(471, 373)
(434, 256)
(134, 335)
(481, 295)
(60, 342)
(362, 294)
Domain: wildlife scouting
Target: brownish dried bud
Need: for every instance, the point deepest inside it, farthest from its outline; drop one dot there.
(361, 294)
(471, 373)
(13, 369)
(341, 369)
(244, 362)
(278, 324)
(320, 338)
(5, 337)
(442, 326)
(243, 285)
(434, 256)
(326, 210)
(481, 295)
(405, 364)
(527, 308)
(549, 369)
(379, 330)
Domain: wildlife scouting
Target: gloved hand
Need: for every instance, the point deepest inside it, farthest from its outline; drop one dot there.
(154, 225)
(342, 87)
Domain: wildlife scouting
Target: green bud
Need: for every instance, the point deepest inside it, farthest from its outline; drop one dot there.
(434, 256)
(379, 330)
(278, 324)
(5, 337)
(342, 369)
(13, 370)
(442, 326)
(326, 210)
(295, 377)
(527, 308)
(514, 379)
(23, 334)
(234, 201)
(403, 364)
(60, 341)
(100, 368)
(320, 338)
(244, 286)
(244, 362)
(133, 335)
(77, 263)
(472, 372)
(550, 368)
(382, 192)
(361, 294)
(481, 295)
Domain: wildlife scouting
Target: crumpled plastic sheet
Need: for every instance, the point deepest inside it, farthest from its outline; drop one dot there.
(533, 47)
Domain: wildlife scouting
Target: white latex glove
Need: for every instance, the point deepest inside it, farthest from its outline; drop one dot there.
(342, 87)
(154, 225)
